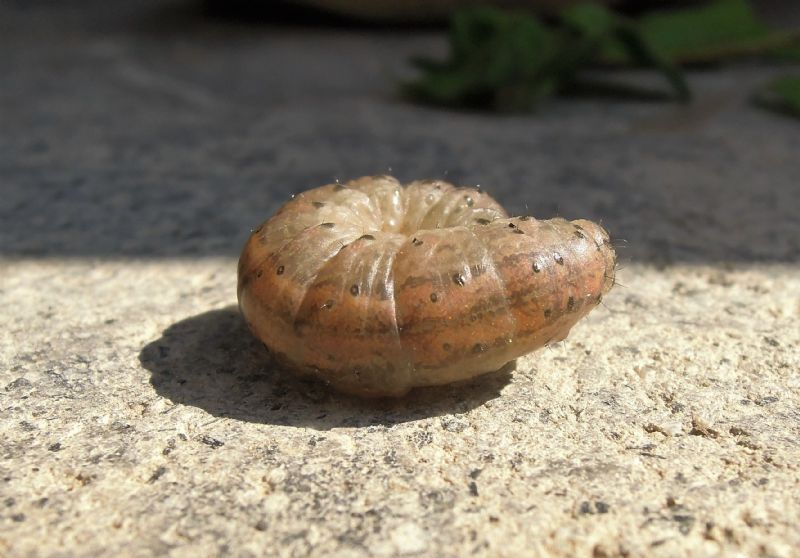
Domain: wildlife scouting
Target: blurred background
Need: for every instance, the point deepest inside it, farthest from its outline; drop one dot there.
(170, 128)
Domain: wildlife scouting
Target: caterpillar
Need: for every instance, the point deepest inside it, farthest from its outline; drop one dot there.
(377, 288)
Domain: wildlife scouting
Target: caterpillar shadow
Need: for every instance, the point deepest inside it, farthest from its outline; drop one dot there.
(211, 361)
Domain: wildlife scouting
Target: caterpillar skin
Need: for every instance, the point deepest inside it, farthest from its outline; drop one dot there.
(378, 288)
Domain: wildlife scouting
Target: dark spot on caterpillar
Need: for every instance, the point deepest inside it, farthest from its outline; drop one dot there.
(416, 242)
(482, 221)
(459, 279)
(478, 348)
(559, 260)
(366, 237)
(570, 304)
(469, 200)
(519, 231)
(280, 270)
(354, 290)
(328, 225)
(259, 273)
(537, 267)
(446, 346)
(339, 188)
(580, 235)
(512, 226)
(548, 313)
(477, 270)
(434, 297)
(328, 304)
(318, 204)
(258, 230)
(525, 218)
(599, 299)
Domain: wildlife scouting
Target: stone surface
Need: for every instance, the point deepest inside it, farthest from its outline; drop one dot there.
(140, 143)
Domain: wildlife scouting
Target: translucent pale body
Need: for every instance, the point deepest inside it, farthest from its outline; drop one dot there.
(378, 288)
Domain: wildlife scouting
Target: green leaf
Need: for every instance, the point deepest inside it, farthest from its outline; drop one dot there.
(781, 95)
(693, 30)
(601, 27)
(592, 21)
(645, 53)
(512, 61)
(711, 32)
(789, 53)
(497, 60)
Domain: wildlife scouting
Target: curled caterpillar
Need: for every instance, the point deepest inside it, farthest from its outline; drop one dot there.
(378, 288)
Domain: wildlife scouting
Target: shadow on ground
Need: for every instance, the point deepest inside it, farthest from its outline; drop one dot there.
(211, 361)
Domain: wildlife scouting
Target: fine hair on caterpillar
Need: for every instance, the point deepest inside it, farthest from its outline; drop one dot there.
(378, 288)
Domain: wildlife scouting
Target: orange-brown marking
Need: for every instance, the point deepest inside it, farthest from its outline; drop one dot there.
(378, 288)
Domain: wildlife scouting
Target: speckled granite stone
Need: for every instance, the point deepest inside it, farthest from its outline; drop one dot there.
(140, 143)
